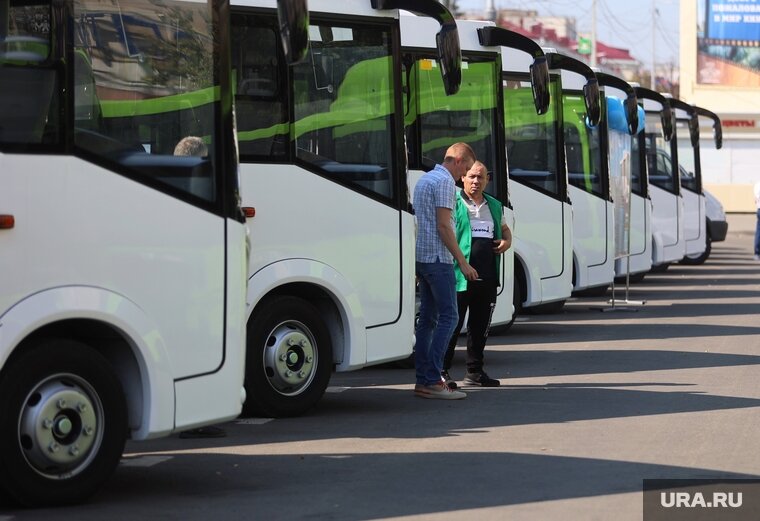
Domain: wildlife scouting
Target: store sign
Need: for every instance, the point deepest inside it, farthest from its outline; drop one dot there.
(738, 123)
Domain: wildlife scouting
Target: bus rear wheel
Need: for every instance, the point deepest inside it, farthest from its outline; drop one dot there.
(289, 358)
(63, 424)
(701, 258)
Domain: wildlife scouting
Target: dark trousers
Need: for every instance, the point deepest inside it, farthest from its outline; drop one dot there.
(480, 299)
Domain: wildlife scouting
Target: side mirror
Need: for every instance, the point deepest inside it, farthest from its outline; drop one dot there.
(449, 57)
(293, 18)
(694, 129)
(539, 81)
(718, 134)
(593, 102)
(631, 105)
(666, 119)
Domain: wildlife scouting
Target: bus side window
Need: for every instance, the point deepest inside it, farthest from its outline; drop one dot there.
(29, 87)
(260, 103)
(142, 84)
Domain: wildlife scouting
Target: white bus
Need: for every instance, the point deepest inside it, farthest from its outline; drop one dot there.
(668, 244)
(435, 120)
(542, 238)
(323, 170)
(639, 261)
(530, 92)
(588, 176)
(713, 230)
(695, 221)
(124, 313)
(631, 220)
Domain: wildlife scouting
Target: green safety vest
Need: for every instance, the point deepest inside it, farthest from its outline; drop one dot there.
(464, 234)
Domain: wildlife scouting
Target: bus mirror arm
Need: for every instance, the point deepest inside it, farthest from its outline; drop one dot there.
(447, 39)
(293, 20)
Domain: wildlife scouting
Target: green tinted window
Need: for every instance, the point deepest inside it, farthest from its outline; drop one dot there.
(344, 104)
(145, 92)
(531, 138)
(581, 145)
(468, 116)
(29, 102)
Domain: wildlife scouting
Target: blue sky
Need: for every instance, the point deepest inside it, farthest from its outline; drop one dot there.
(620, 23)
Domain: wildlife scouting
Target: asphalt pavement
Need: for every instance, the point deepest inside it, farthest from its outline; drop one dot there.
(592, 402)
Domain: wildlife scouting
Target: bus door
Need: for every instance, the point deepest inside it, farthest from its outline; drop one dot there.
(585, 144)
(434, 120)
(695, 222)
(664, 184)
(536, 162)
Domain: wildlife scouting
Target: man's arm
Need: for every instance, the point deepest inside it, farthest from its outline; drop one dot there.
(506, 239)
(446, 233)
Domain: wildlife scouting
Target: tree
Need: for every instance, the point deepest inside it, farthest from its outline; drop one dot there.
(452, 6)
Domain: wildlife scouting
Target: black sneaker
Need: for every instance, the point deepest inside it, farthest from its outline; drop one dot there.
(448, 380)
(481, 379)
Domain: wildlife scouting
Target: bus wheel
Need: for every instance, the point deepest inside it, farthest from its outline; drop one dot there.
(695, 260)
(289, 358)
(547, 309)
(63, 423)
(660, 268)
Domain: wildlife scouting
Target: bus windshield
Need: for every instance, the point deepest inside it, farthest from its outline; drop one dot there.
(343, 116)
(686, 152)
(581, 145)
(661, 171)
(468, 116)
(531, 138)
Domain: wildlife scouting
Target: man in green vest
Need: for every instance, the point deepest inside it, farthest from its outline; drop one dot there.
(483, 235)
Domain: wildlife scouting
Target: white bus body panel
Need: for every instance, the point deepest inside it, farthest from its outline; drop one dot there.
(349, 245)
(542, 240)
(667, 226)
(640, 260)
(419, 32)
(694, 222)
(593, 242)
(504, 309)
(166, 298)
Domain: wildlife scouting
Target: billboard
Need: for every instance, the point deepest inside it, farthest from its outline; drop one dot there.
(728, 43)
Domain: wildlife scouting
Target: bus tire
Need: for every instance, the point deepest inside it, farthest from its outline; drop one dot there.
(549, 308)
(596, 291)
(289, 358)
(660, 268)
(696, 260)
(63, 423)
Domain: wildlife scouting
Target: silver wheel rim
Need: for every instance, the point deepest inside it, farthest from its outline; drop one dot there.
(60, 426)
(290, 358)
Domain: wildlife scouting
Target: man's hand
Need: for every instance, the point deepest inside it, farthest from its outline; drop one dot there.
(501, 246)
(468, 271)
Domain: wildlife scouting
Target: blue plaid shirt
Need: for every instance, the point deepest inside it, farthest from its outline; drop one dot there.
(434, 190)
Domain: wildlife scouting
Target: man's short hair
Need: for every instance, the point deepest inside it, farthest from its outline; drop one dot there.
(191, 146)
(460, 151)
(479, 164)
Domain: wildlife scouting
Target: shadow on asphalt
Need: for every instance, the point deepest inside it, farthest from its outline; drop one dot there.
(322, 485)
(375, 486)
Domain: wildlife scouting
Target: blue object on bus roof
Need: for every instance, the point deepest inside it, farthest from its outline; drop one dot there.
(642, 120)
(616, 119)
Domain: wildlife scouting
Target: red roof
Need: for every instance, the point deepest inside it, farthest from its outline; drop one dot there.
(537, 31)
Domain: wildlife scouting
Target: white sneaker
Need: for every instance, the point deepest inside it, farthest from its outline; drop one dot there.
(757, 257)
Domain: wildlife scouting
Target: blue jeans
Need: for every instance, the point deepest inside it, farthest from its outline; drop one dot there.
(438, 318)
(757, 234)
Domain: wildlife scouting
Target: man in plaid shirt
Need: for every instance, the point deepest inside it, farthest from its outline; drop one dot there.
(437, 249)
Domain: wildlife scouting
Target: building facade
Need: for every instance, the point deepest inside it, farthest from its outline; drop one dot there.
(720, 71)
